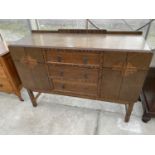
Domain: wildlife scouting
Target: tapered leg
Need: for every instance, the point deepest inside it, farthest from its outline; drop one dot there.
(19, 96)
(128, 112)
(32, 97)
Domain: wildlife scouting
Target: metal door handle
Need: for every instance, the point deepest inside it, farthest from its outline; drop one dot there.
(85, 60)
(59, 59)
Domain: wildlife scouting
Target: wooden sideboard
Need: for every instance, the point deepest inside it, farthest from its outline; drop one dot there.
(108, 66)
(9, 79)
(148, 96)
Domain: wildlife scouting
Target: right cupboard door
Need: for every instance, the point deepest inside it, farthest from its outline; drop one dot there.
(132, 84)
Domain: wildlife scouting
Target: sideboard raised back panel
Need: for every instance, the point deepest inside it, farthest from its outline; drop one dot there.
(108, 74)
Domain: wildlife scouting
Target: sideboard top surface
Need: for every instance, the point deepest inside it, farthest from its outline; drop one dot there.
(124, 42)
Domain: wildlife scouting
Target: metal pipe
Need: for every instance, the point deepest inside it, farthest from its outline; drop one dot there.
(92, 24)
(147, 31)
(87, 24)
(127, 24)
(145, 25)
(29, 25)
(37, 24)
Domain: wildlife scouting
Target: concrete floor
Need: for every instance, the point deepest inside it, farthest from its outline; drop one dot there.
(58, 114)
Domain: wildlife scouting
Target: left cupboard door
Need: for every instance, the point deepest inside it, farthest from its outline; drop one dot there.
(33, 77)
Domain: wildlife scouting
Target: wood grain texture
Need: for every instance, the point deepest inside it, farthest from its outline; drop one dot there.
(89, 42)
(9, 79)
(66, 63)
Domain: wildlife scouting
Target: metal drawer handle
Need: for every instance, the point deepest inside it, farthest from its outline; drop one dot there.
(59, 59)
(61, 73)
(1, 85)
(85, 60)
(63, 86)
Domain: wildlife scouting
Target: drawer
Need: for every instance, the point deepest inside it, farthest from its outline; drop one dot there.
(75, 88)
(2, 73)
(114, 59)
(5, 85)
(73, 57)
(139, 60)
(72, 73)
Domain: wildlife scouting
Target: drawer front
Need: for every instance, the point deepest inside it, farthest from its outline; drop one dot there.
(73, 57)
(73, 73)
(139, 60)
(5, 85)
(2, 73)
(114, 59)
(75, 88)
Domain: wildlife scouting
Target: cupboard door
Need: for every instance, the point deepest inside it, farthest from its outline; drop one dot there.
(111, 82)
(35, 78)
(139, 60)
(17, 53)
(34, 54)
(114, 59)
(132, 85)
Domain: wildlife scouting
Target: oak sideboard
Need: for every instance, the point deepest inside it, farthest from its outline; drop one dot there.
(103, 65)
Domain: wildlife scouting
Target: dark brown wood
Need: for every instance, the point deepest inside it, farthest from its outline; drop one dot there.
(111, 82)
(110, 67)
(86, 31)
(32, 97)
(9, 79)
(148, 96)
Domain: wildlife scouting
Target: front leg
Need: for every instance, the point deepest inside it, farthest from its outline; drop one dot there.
(129, 109)
(32, 97)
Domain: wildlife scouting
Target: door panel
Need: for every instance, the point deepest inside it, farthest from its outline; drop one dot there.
(34, 54)
(139, 60)
(132, 85)
(114, 59)
(111, 82)
(33, 77)
(17, 53)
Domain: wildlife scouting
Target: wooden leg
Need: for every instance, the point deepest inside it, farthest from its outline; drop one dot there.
(146, 118)
(19, 96)
(128, 112)
(32, 97)
(139, 99)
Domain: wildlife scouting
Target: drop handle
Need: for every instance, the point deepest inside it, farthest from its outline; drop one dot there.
(59, 59)
(85, 60)
(61, 73)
